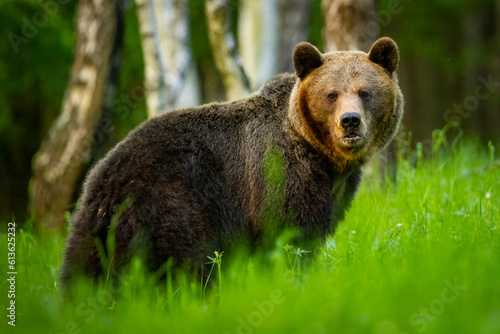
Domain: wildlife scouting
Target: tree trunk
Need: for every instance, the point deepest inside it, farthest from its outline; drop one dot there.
(268, 32)
(154, 67)
(258, 39)
(58, 163)
(293, 28)
(346, 24)
(183, 87)
(171, 79)
(227, 59)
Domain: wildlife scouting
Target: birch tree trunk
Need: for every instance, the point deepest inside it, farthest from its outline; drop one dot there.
(171, 80)
(59, 161)
(268, 31)
(154, 67)
(181, 77)
(227, 59)
(258, 39)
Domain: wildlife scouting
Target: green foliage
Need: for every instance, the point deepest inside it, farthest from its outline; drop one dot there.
(435, 31)
(296, 253)
(217, 260)
(33, 76)
(417, 257)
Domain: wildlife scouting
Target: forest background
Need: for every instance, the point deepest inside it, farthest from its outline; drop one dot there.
(449, 70)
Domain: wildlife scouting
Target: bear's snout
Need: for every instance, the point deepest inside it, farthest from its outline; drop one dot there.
(350, 120)
(352, 134)
(351, 123)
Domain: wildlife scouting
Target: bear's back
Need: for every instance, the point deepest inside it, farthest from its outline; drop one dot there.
(215, 144)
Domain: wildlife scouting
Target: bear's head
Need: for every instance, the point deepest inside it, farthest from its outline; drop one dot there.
(347, 104)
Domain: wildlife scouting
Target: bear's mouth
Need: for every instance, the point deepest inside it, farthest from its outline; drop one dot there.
(352, 139)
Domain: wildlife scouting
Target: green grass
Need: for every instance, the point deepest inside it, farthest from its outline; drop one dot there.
(388, 269)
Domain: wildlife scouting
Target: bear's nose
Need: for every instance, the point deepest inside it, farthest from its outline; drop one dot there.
(350, 120)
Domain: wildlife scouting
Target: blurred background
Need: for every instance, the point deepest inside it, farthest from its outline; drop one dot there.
(77, 76)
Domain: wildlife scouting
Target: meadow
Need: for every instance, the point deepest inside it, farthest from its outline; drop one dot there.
(418, 256)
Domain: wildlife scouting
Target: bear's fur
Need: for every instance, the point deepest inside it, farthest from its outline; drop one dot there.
(194, 179)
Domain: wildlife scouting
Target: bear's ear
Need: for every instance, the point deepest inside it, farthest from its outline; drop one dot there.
(385, 53)
(305, 59)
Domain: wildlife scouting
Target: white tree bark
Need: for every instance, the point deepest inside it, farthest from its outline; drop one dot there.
(58, 163)
(154, 68)
(181, 77)
(171, 80)
(224, 49)
(258, 39)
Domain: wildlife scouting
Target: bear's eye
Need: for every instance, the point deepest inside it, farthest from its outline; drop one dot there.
(332, 97)
(364, 95)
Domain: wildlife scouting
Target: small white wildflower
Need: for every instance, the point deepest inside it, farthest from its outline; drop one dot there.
(488, 194)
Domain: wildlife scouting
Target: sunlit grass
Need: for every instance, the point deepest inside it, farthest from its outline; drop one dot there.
(419, 256)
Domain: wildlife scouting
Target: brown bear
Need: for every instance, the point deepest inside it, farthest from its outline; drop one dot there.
(192, 182)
